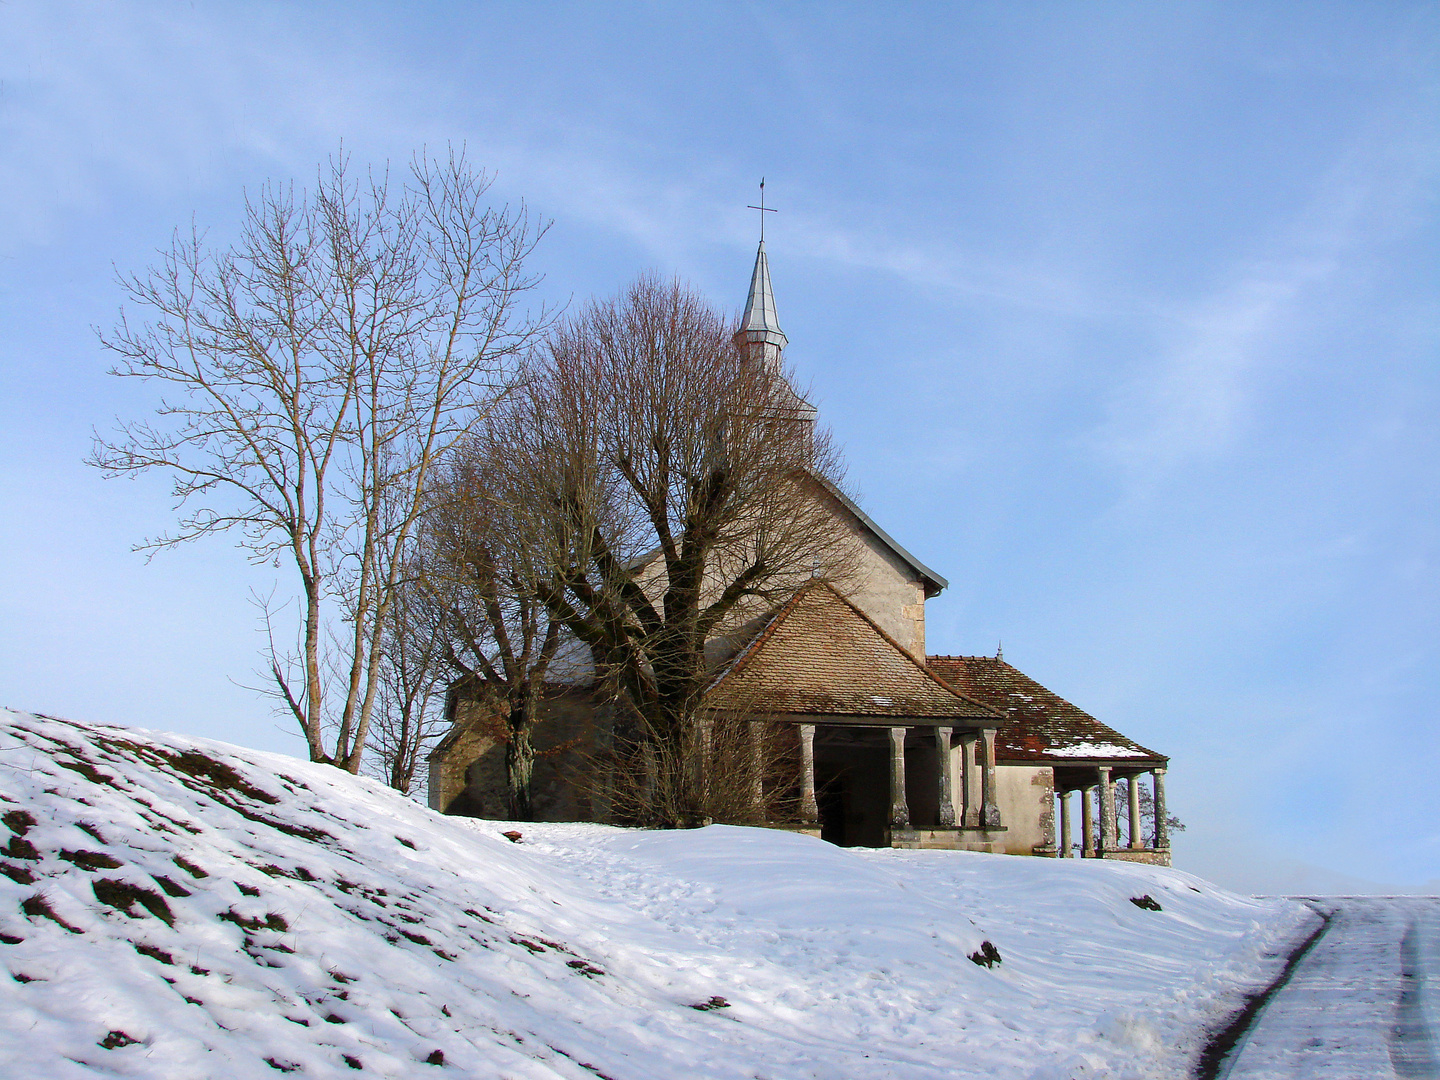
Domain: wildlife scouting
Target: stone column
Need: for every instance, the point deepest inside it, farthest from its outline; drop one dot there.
(1162, 831)
(1107, 809)
(1087, 823)
(757, 766)
(809, 812)
(1132, 793)
(946, 815)
(899, 807)
(989, 808)
(1065, 839)
(971, 816)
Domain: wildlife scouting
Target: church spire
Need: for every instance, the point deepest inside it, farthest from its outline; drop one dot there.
(760, 337)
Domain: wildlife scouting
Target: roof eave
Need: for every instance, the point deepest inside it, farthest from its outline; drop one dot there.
(934, 583)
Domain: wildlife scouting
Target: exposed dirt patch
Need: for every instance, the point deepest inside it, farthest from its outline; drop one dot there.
(123, 896)
(171, 888)
(189, 867)
(204, 775)
(90, 831)
(271, 921)
(20, 848)
(37, 907)
(91, 860)
(986, 956)
(216, 774)
(154, 952)
(88, 771)
(19, 874)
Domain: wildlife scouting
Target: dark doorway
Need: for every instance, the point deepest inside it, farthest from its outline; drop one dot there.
(852, 786)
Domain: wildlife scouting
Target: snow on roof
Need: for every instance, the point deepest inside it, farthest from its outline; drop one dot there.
(1093, 750)
(1041, 724)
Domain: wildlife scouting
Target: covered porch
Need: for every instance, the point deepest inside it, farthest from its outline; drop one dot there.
(915, 785)
(889, 755)
(1105, 833)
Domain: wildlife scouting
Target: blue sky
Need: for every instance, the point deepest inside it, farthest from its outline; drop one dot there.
(1127, 315)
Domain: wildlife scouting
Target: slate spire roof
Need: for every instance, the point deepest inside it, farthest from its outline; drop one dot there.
(821, 655)
(760, 338)
(760, 317)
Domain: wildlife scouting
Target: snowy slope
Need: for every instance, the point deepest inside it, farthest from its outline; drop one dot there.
(172, 907)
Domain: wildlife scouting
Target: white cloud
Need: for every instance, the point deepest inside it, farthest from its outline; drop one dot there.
(97, 100)
(1196, 400)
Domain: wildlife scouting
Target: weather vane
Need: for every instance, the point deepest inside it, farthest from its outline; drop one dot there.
(763, 209)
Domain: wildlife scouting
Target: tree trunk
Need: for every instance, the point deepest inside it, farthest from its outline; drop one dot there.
(519, 768)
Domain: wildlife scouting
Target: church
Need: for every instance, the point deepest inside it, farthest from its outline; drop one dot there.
(891, 747)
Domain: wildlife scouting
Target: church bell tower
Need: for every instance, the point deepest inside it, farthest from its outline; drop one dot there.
(760, 339)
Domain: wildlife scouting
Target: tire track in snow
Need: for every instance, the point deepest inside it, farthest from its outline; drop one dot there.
(1361, 1003)
(1225, 1046)
(1412, 1039)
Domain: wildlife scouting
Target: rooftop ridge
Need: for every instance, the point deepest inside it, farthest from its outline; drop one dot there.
(748, 653)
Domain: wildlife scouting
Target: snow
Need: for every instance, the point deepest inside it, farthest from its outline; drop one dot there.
(1363, 1001)
(340, 926)
(1094, 750)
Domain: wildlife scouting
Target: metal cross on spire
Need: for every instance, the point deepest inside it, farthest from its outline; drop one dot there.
(763, 209)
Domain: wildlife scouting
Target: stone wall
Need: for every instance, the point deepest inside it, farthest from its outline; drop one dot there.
(467, 771)
(1026, 795)
(886, 589)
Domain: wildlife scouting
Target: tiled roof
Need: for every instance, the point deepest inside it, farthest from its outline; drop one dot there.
(820, 654)
(1041, 726)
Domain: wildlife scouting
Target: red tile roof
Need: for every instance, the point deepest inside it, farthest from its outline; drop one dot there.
(1041, 726)
(821, 655)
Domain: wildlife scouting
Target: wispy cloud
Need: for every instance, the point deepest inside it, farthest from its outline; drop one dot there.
(1197, 398)
(98, 98)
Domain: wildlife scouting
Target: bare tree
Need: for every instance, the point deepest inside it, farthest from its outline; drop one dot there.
(679, 495)
(409, 711)
(742, 771)
(313, 375)
(482, 559)
(1147, 811)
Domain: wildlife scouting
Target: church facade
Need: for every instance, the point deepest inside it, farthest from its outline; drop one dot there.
(892, 747)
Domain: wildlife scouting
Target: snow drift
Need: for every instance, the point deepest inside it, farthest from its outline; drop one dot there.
(172, 907)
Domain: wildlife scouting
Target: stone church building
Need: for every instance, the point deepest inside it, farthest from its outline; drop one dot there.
(895, 747)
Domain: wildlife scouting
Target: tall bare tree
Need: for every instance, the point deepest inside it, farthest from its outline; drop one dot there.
(482, 560)
(680, 493)
(312, 375)
(414, 678)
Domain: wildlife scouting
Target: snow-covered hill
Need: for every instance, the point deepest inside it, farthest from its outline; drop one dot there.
(171, 907)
